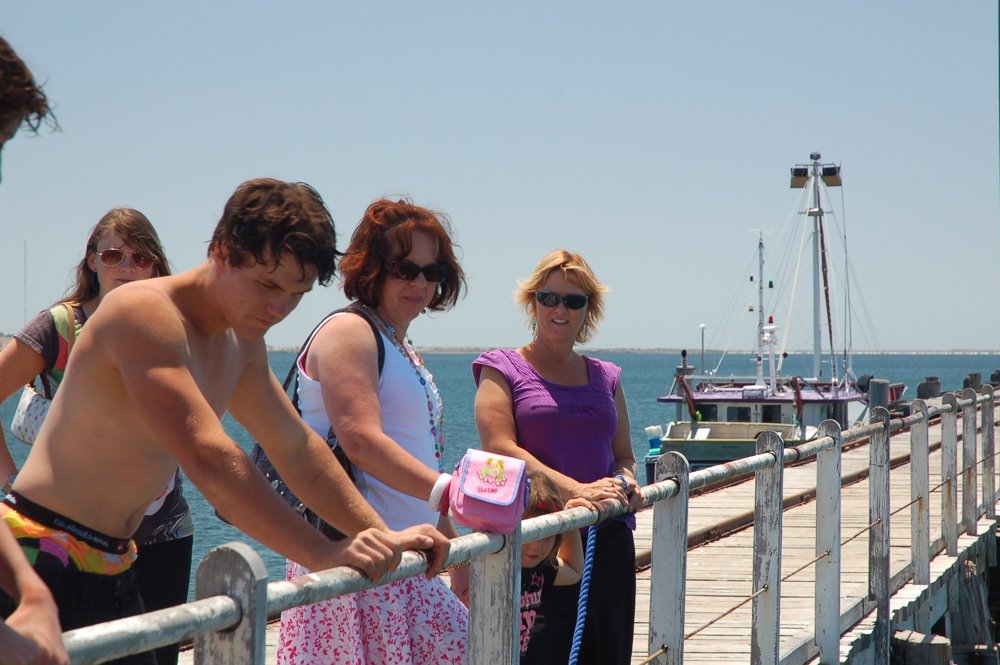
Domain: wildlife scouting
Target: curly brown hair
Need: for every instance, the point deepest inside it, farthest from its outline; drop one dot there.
(265, 219)
(384, 234)
(20, 97)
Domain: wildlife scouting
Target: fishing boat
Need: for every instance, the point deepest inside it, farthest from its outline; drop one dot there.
(718, 418)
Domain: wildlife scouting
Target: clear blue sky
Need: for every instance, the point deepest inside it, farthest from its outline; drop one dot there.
(649, 136)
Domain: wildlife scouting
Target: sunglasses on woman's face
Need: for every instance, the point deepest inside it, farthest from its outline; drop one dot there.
(572, 300)
(114, 257)
(408, 271)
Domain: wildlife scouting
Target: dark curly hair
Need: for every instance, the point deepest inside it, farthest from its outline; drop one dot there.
(384, 234)
(266, 219)
(20, 97)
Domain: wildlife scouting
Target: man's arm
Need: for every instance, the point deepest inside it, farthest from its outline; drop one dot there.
(304, 461)
(151, 354)
(301, 457)
(32, 633)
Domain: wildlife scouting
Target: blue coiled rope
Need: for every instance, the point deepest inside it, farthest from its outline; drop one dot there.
(581, 605)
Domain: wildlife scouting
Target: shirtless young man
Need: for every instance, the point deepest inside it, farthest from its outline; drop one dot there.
(150, 378)
(30, 635)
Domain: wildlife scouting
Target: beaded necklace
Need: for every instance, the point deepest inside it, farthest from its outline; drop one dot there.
(435, 405)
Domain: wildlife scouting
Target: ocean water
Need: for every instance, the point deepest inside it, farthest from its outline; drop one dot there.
(645, 376)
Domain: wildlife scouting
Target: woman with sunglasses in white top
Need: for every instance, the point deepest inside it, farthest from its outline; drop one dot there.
(565, 414)
(123, 247)
(361, 380)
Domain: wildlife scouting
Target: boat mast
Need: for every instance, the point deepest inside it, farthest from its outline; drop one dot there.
(804, 175)
(816, 212)
(760, 308)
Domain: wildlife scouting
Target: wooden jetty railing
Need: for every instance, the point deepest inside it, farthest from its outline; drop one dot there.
(228, 619)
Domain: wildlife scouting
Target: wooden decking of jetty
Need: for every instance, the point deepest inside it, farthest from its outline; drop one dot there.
(719, 572)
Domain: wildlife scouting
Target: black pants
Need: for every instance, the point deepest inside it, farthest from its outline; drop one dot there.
(610, 623)
(163, 571)
(84, 599)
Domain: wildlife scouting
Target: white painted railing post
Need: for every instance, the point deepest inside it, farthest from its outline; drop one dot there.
(949, 469)
(878, 541)
(669, 562)
(237, 571)
(768, 486)
(827, 611)
(920, 487)
(989, 452)
(495, 605)
(989, 467)
(970, 464)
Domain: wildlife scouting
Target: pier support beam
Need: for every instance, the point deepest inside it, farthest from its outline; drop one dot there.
(913, 647)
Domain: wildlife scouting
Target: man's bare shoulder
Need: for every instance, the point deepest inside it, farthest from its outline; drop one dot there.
(139, 311)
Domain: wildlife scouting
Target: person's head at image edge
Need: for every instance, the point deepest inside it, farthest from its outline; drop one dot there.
(22, 102)
(401, 261)
(550, 296)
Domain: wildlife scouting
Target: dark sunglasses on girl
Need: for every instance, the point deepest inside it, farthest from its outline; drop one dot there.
(114, 257)
(408, 271)
(572, 300)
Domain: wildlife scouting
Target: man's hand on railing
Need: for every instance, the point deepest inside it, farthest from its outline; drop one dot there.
(436, 546)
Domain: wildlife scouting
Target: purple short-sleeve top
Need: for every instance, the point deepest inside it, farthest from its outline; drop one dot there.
(568, 428)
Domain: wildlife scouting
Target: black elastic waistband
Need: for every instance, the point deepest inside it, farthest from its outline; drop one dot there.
(54, 520)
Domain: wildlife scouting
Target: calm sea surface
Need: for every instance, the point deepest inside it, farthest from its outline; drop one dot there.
(645, 376)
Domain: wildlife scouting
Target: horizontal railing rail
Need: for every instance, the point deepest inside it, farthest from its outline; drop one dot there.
(228, 621)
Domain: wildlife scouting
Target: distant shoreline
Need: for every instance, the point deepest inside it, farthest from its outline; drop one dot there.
(663, 351)
(4, 339)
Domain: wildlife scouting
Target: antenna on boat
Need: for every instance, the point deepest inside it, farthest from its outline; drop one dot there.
(810, 175)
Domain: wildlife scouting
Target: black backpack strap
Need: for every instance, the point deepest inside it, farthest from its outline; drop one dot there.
(363, 313)
(354, 308)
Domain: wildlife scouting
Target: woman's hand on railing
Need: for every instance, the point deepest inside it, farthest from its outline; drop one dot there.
(602, 490)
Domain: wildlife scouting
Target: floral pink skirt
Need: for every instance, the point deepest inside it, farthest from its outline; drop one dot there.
(415, 621)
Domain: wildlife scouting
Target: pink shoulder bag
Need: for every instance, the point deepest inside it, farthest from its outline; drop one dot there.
(488, 492)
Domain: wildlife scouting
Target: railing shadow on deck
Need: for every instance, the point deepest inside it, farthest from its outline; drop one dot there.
(234, 599)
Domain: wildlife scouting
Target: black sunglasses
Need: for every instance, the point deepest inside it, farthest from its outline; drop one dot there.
(408, 271)
(572, 301)
(114, 257)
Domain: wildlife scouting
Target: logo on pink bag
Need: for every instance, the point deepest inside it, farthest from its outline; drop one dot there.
(492, 472)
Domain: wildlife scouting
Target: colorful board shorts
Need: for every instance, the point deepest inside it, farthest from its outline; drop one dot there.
(42, 531)
(89, 573)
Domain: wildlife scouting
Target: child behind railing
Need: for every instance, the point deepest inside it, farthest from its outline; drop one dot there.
(546, 630)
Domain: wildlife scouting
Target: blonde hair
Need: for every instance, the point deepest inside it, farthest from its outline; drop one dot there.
(572, 265)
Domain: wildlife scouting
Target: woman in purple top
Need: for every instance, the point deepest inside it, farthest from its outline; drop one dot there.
(565, 415)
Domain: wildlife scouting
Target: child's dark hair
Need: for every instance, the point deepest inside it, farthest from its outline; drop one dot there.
(544, 499)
